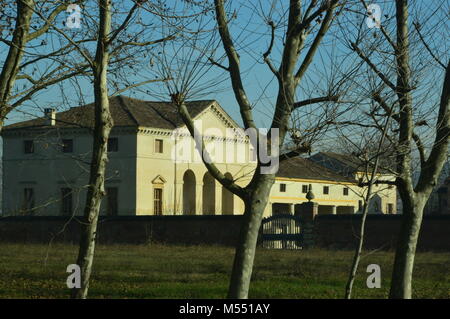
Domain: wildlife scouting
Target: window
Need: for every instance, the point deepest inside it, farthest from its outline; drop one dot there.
(304, 189)
(67, 146)
(157, 201)
(360, 205)
(390, 208)
(113, 144)
(159, 146)
(345, 191)
(112, 201)
(282, 188)
(28, 147)
(28, 200)
(66, 201)
(326, 190)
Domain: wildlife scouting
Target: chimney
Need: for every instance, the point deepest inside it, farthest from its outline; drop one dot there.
(50, 117)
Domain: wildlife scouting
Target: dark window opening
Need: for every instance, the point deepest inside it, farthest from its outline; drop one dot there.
(390, 208)
(345, 191)
(157, 201)
(326, 190)
(304, 189)
(67, 146)
(282, 188)
(28, 147)
(159, 146)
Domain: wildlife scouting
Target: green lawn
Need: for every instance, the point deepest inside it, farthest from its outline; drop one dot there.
(158, 271)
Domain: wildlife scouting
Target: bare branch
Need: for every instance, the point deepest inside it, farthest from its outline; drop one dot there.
(373, 67)
(269, 50)
(48, 22)
(213, 62)
(177, 99)
(302, 149)
(235, 73)
(318, 39)
(330, 98)
(426, 46)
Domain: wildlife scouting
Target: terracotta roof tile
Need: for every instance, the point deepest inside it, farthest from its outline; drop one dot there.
(125, 111)
(304, 168)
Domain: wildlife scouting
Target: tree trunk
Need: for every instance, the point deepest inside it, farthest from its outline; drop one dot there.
(11, 65)
(248, 237)
(406, 249)
(103, 125)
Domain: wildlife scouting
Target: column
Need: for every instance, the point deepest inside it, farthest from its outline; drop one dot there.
(218, 206)
(199, 199)
(333, 210)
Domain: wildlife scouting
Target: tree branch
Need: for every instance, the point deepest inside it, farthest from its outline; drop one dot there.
(427, 47)
(269, 50)
(302, 149)
(178, 100)
(48, 22)
(373, 67)
(318, 39)
(329, 98)
(234, 69)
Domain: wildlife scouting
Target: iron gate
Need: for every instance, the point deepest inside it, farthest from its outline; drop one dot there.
(282, 231)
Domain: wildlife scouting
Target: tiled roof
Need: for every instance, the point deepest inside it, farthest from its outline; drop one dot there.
(347, 164)
(125, 111)
(304, 168)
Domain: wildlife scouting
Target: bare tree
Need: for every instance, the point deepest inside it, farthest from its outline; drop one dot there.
(414, 58)
(102, 128)
(371, 163)
(295, 35)
(24, 32)
(109, 44)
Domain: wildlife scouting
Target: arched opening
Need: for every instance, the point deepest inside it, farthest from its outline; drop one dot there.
(375, 205)
(189, 193)
(209, 194)
(227, 199)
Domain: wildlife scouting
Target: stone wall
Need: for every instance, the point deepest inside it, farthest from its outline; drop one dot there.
(324, 231)
(189, 230)
(341, 232)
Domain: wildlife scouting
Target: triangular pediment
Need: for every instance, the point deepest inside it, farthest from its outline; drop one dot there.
(158, 180)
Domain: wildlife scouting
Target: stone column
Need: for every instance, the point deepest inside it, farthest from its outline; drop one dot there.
(218, 206)
(291, 209)
(333, 209)
(199, 199)
(307, 212)
(178, 201)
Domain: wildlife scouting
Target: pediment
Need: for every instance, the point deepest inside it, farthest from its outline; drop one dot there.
(159, 180)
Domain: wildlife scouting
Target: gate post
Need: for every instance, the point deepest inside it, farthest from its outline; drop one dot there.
(307, 212)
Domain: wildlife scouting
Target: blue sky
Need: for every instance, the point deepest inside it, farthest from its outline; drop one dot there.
(250, 33)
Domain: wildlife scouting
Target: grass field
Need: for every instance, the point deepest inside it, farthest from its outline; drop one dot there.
(157, 271)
